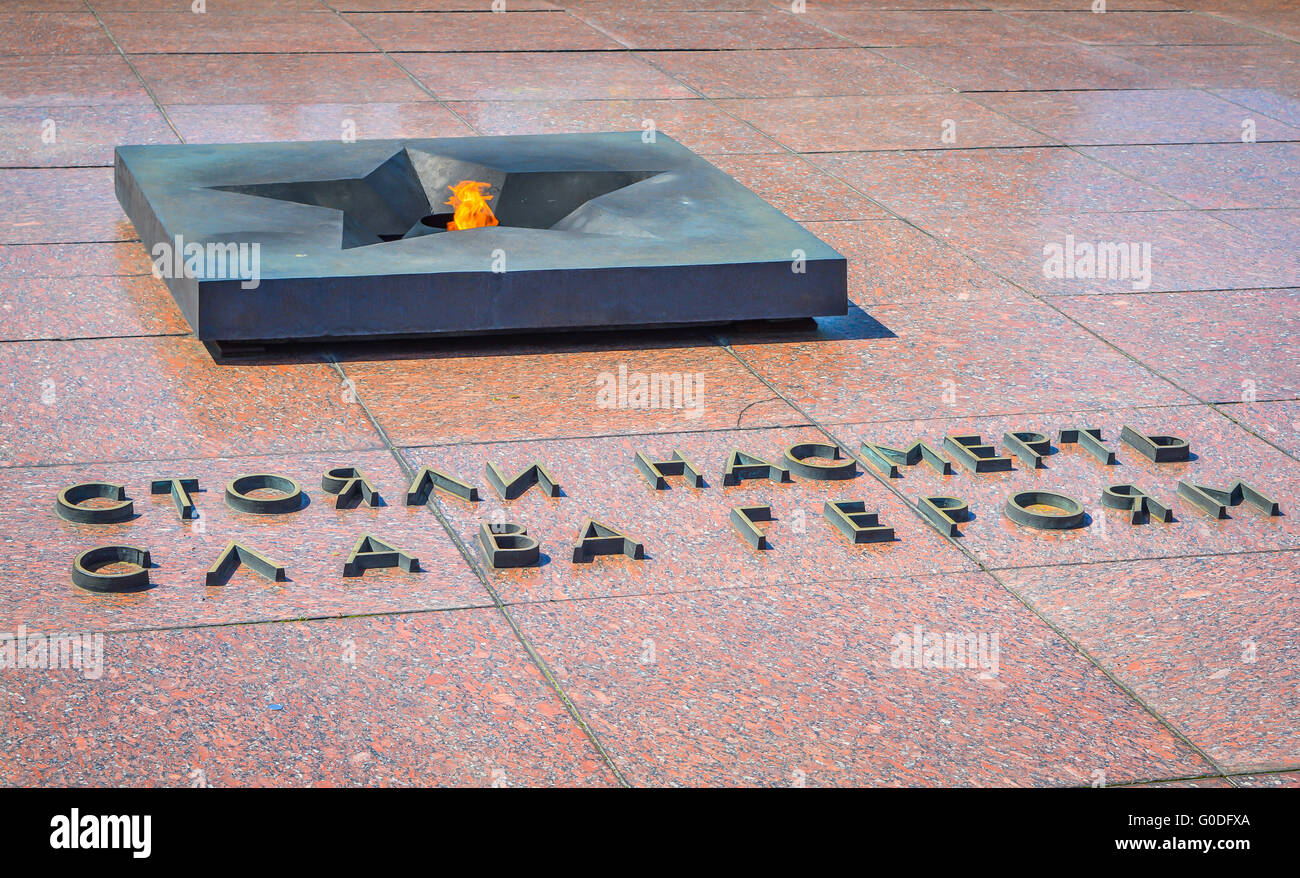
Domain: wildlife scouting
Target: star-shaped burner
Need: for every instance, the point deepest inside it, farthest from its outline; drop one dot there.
(406, 195)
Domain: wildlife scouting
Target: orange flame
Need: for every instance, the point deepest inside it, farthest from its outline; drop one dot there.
(472, 211)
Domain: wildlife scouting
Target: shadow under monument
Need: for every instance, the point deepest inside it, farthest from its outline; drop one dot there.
(855, 325)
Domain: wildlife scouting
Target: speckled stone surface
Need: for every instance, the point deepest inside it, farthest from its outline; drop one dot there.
(1145, 28)
(218, 7)
(1276, 421)
(1280, 102)
(944, 162)
(1073, 5)
(245, 123)
(1045, 179)
(88, 307)
(69, 80)
(698, 125)
(1279, 226)
(523, 31)
(540, 76)
(36, 137)
(893, 261)
(796, 186)
(1188, 635)
(1229, 176)
(1200, 783)
(1289, 780)
(791, 73)
(788, 687)
(553, 392)
(689, 542)
(1017, 68)
(1150, 116)
(158, 397)
(1190, 250)
(73, 260)
(1216, 66)
(866, 26)
(433, 5)
(184, 31)
(46, 6)
(706, 29)
(261, 78)
(855, 122)
(311, 543)
(1237, 348)
(923, 358)
(398, 700)
(1271, 16)
(56, 205)
(44, 33)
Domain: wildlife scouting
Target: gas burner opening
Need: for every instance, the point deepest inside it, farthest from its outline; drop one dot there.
(436, 221)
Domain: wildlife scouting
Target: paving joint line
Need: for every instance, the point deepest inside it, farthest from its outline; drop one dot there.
(587, 436)
(286, 620)
(75, 338)
(402, 67)
(1176, 557)
(1187, 86)
(1044, 299)
(744, 587)
(501, 606)
(324, 452)
(1077, 150)
(1072, 642)
(143, 82)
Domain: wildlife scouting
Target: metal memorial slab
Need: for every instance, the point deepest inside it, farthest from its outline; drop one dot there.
(317, 240)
